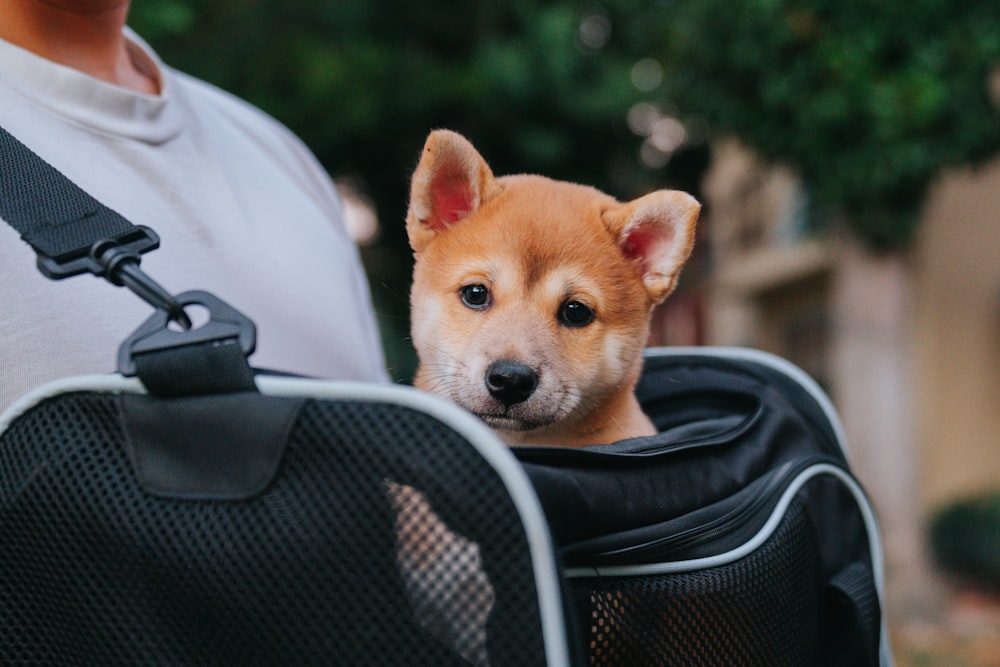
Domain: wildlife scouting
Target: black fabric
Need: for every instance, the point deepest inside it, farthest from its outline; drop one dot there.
(732, 440)
(759, 611)
(720, 430)
(225, 447)
(707, 531)
(192, 370)
(852, 618)
(52, 214)
(671, 379)
(383, 539)
(752, 611)
(95, 571)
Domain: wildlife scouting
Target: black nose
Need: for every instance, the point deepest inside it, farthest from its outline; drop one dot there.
(510, 382)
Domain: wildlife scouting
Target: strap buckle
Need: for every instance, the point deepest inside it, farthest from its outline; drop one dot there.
(225, 325)
(138, 240)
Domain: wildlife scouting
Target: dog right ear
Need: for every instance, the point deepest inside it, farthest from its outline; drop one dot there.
(451, 181)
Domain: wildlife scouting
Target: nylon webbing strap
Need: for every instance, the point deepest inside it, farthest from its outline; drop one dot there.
(73, 233)
(52, 214)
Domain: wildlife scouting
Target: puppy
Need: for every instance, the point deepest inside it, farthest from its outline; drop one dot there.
(531, 297)
(531, 302)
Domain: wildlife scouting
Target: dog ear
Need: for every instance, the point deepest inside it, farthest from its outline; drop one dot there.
(451, 181)
(658, 232)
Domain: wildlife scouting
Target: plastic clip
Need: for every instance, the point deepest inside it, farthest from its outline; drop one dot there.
(117, 261)
(225, 324)
(121, 266)
(140, 239)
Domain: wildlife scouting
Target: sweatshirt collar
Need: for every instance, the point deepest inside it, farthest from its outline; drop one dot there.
(97, 105)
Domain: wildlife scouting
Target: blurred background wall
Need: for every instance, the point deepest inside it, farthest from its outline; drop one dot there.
(847, 153)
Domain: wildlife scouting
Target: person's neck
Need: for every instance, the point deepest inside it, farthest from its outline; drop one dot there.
(85, 36)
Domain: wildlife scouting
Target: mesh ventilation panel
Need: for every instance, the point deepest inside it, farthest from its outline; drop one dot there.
(340, 561)
(762, 610)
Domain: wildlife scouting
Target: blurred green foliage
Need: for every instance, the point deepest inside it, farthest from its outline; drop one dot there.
(869, 99)
(965, 540)
(362, 82)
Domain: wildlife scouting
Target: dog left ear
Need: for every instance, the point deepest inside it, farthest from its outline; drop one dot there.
(450, 183)
(656, 230)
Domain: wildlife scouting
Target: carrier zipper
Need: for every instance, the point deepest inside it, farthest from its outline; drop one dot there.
(669, 545)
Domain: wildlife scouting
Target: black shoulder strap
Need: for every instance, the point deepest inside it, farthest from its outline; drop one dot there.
(59, 220)
(70, 231)
(73, 233)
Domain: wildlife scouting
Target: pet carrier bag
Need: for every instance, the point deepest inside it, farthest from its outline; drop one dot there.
(193, 511)
(736, 536)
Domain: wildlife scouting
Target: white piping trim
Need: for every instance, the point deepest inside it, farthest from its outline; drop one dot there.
(485, 442)
(771, 361)
(675, 567)
(100, 383)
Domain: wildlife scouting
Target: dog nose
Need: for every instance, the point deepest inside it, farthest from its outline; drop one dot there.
(510, 382)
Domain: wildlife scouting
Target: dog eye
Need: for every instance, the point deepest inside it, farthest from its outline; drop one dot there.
(576, 314)
(476, 296)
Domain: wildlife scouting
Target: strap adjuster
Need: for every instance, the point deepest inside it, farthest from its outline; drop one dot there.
(138, 240)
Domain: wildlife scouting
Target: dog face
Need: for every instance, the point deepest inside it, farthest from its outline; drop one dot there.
(531, 297)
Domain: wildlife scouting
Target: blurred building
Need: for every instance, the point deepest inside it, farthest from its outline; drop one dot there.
(907, 343)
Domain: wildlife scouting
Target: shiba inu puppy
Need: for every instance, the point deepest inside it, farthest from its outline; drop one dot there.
(531, 297)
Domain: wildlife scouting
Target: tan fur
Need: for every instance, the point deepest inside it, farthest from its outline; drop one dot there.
(535, 244)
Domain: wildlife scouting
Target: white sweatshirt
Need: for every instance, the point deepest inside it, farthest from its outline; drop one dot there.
(243, 210)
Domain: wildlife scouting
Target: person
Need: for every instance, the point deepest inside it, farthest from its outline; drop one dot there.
(242, 208)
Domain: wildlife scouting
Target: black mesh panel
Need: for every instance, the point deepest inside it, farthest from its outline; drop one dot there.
(337, 563)
(762, 610)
